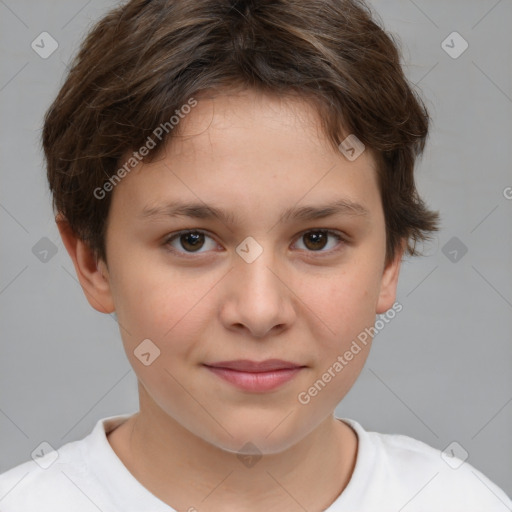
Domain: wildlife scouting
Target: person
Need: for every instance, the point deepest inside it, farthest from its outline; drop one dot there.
(234, 180)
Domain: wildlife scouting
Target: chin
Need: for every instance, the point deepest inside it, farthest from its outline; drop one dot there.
(257, 437)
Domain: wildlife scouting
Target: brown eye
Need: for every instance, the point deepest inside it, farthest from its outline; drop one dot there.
(190, 242)
(317, 240)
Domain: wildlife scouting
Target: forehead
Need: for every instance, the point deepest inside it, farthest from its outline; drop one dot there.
(233, 146)
(249, 115)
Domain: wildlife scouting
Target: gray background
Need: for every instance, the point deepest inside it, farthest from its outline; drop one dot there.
(439, 372)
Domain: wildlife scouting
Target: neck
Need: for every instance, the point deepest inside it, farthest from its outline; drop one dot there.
(184, 471)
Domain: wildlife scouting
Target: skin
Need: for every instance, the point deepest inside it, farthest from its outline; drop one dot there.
(254, 155)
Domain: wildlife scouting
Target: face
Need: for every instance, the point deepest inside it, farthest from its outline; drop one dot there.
(291, 269)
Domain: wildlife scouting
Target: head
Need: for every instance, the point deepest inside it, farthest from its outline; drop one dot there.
(225, 107)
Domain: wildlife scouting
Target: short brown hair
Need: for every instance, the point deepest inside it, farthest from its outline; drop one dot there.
(145, 59)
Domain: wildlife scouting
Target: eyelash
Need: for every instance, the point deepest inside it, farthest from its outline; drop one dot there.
(185, 254)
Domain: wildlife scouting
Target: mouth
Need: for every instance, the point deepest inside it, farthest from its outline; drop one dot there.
(255, 376)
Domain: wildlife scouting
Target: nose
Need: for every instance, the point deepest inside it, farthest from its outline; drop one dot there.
(258, 299)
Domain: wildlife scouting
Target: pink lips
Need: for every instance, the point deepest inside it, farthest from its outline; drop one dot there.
(255, 376)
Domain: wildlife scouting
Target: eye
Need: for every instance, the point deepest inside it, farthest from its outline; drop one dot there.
(191, 241)
(316, 240)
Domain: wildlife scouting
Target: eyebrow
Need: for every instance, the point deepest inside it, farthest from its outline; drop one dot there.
(303, 213)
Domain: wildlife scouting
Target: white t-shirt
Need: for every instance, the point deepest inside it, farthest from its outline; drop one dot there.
(392, 473)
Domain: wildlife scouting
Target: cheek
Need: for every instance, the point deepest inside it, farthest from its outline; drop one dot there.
(168, 316)
(344, 301)
(345, 304)
(164, 307)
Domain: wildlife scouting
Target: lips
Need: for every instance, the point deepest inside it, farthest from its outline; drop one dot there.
(254, 376)
(246, 365)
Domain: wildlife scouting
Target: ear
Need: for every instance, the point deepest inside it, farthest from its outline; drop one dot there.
(92, 274)
(387, 295)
